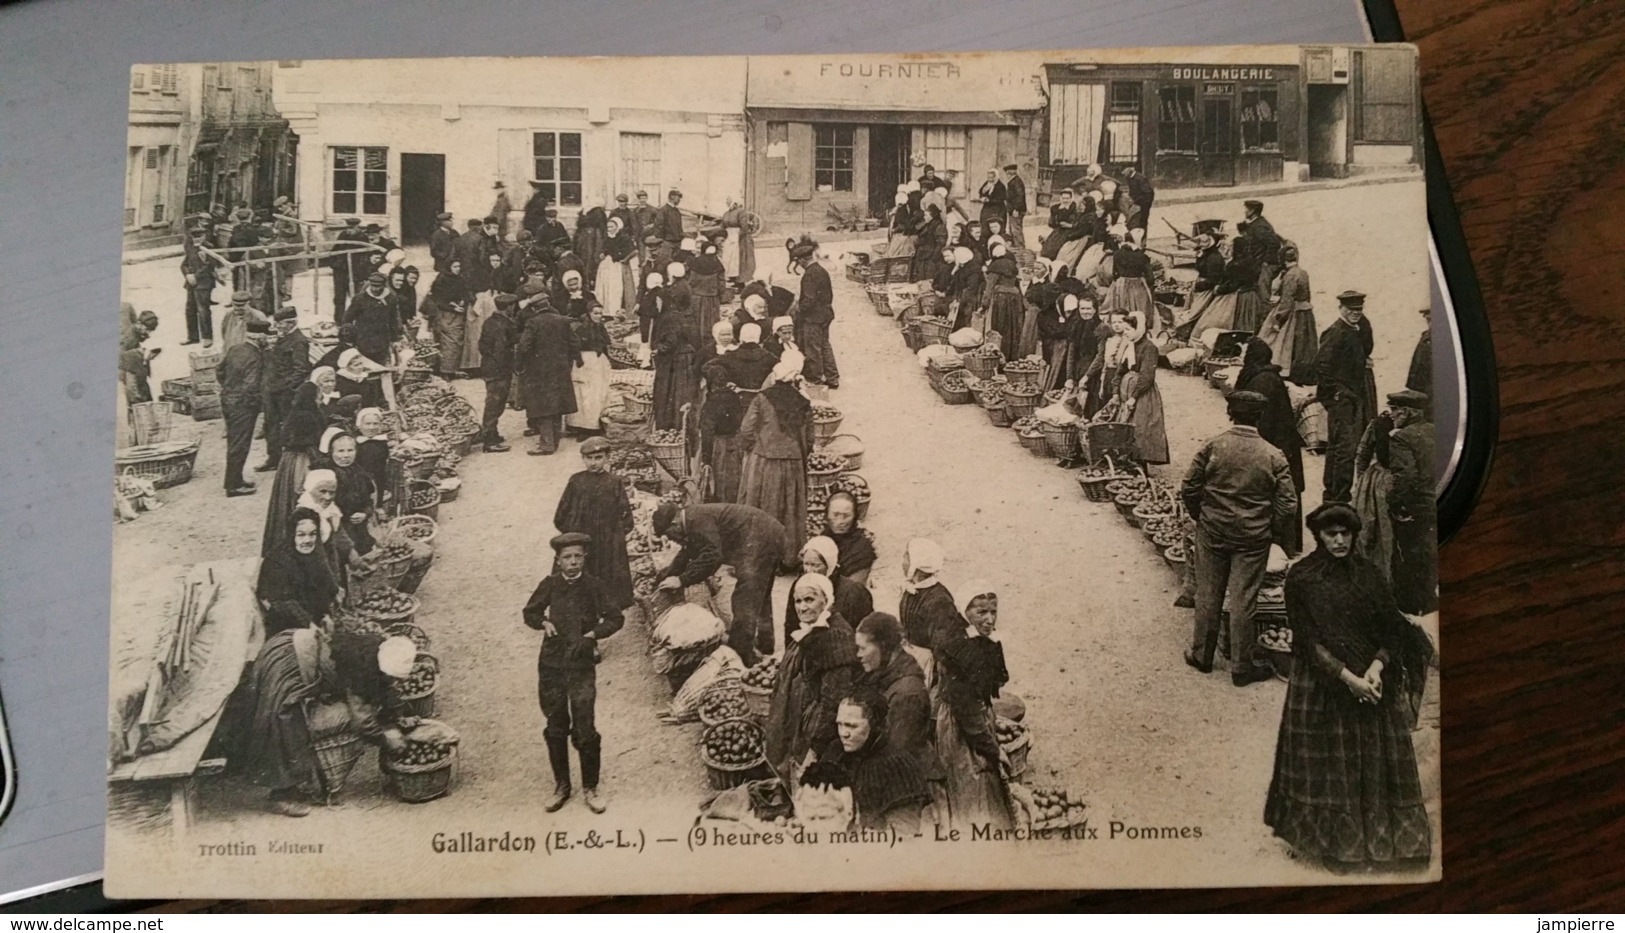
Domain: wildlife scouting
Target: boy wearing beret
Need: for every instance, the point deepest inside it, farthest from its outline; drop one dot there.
(573, 611)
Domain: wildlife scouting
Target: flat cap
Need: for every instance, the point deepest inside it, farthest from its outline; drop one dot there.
(1408, 398)
(1244, 402)
(594, 445)
(570, 539)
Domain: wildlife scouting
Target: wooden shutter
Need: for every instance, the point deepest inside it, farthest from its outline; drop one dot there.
(514, 155)
(981, 154)
(798, 169)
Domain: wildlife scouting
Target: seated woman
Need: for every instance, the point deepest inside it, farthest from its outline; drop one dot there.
(820, 662)
(852, 600)
(357, 495)
(296, 587)
(372, 447)
(926, 611)
(896, 676)
(341, 681)
(888, 789)
(1346, 790)
(358, 375)
(856, 546)
(970, 672)
(321, 489)
(301, 433)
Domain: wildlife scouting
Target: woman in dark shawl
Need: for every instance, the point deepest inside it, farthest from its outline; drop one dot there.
(970, 671)
(595, 504)
(929, 243)
(446, 308)
(820, 662)
(301, 433)
(591, 232)
(705, 275)
(296, 586)
(965, 289)
(1278, 424)
(905, 226)
(1241, 280)
(1059, 332)
(943, 282)
(895, 675)
(1136, 380)
(305, 685)
(889, 791)
(398, 297)
(651, 304)
(616, 283)
(407, 296)
(1002, 298)
(926, 610)
(357, 495)
(776, 434)
(372, 447)
(855, 546)
(676, 347)
(1346, 790)
(852, 599)
(1209, 274)
(1065, 225)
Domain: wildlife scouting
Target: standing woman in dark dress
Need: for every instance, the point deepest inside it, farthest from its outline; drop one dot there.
(776, 435)
(676, 347)
(300, 434)
(1242, 279)
(929, 243)
(1005, 305)
(1059, 329)
(407, 297)
(820, 663)
(591, 231)
(296, 588)
(1346, 790)
(965, 288)
(970, 671)
(926, 610)
(595, 504)
(651, 304)
(1278, 424)
(1137, 388)
(1130, 290)
(446, 308)
(705, 275)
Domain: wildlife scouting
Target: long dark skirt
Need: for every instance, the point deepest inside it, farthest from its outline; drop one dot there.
(1346, 787)
(677, 383)
(779, 488)
(275, 743)
(1249, 311)
(727, 466)
(1062, 366)
(708, 310)
(1005, 314)
(286, 488)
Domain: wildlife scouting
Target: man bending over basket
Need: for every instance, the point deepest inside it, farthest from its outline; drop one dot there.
(572, 610)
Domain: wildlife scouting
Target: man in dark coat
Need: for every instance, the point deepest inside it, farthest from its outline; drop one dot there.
(1140, 190)
(345, 265)
(1344, 387)
(992, 194)
(1239, 491)
(816, 311)
(498, 339)
(197, 270)
(595, 503)
(443, 241)
(242, 393)
(574, 611)
(548, 353)
(643, 222)
(1278, 424)
(1412, 504)
(551, 236)
(1266, 244)
(1420, 377)
(1015, 202)
(376, 236)
(535, 211)
(287, 367)
(743, 536)
(374, 323)
(474, 249)
(668, 224)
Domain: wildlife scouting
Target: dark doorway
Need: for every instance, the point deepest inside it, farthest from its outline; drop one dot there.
(889, 165)
(1328, 130)
(423, 194)
(1218, 147)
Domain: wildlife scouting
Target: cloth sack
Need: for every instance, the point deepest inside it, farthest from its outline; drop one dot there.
(965, 338)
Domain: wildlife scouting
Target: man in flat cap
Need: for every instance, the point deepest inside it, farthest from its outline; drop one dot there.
(287, 366)
(595, 503)
(197, 271)
(1345, 387)
(499, 338)
(643, 220)
(375, 325)
(573, 611)
(816, 311)
(1266, 245)
(234, 322)
(1239, 490)
(1015, 201)
(347, 267)
(473, 250)
(1412, 505)
(668, 222)
(242, 373)
(443, 241)
(742, 536)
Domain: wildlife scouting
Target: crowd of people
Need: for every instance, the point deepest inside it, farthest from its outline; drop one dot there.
(900, 707)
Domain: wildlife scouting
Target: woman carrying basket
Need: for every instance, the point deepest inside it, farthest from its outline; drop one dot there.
(775, 434)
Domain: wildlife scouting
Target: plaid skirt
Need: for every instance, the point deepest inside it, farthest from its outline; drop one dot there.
(1346, 787)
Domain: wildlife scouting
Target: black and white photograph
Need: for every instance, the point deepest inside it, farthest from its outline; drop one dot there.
(553, 476)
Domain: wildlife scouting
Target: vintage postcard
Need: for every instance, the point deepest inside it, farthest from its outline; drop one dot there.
(632, 475)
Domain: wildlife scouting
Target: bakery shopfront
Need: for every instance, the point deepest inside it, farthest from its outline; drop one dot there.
(1183, 125)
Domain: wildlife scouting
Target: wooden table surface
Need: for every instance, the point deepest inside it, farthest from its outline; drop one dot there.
(1527, 99)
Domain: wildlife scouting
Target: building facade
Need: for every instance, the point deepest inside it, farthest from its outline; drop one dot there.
(1278, 114)
(396, 142)
(163, 127)
(245, 152)
(831, 137)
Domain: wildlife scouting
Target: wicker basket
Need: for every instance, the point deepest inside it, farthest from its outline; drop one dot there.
(1027, 379)
(417, 527)
(982, 366)
(759, 699)
(880, 298)
(1062, 439)
(1016, 751)
(623, 431)
(386, 619)
(857, 272)
(336, 757)
(422, 467)
(419, 569)
(933, 330)
(637, 407)
(1146, 511)
(724, 776)
(998, 415)
(1094, 488)
(167, 464)
(1175, 558)
(911, 336)
(432, 509)
(951, 395)
(721, 686)
(1107, 439)
(1018, 403)
(823, 480)
(849, 446)
(421, 783)
(929, 304)
(421, 704)
(824, 430)
(151, 422)
(1035, 444)
(419, 637)
(673, 458)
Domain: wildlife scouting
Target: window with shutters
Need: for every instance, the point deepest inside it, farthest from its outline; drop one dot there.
(1260, 119)
(132, 186)
(166, 79)
(1123, 123)
(557, 172)
(1386, 86)
(1176, 118)
(832, 156)
(159, 161)
(360, 183)
(247, 89)
(640, 163)
(138, 81)
(1076, 115)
